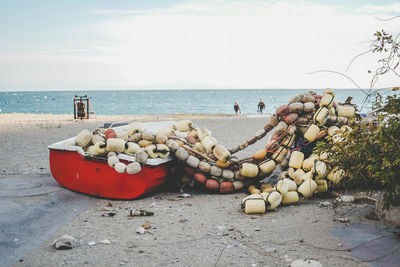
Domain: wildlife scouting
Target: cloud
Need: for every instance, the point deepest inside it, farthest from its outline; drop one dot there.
(392, 9)
(221, 44)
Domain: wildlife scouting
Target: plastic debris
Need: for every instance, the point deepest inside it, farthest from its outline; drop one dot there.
(141, 230)
(341, 219)
(325, 204)
(105, 242)
(135, 213)
(109, 214)
(345, 199)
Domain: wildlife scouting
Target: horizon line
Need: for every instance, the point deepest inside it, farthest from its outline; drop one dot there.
(175, 89)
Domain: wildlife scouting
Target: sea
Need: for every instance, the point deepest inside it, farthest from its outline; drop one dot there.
(126, 102)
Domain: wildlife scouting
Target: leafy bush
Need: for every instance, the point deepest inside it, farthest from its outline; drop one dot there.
(370, 154)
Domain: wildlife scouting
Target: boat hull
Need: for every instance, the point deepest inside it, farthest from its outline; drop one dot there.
(93, 176)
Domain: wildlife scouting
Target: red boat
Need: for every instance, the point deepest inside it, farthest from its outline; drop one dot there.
(74, 169)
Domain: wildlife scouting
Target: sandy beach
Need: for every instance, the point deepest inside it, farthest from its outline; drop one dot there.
(202, 230)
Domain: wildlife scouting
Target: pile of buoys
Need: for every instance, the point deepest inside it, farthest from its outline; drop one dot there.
(134, 141)
(306, 118)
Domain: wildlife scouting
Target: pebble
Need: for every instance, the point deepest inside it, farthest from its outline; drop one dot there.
(146, 225)
(325, 204)
(65, 242)
(271, 249)
(345, 199)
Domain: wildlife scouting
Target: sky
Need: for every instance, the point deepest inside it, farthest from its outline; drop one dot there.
(176, 44)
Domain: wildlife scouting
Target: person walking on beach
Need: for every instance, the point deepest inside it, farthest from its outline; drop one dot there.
(237, 108)
(261, 107)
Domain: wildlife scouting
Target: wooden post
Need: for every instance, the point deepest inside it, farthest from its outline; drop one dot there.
(87, 107)
(74, 109)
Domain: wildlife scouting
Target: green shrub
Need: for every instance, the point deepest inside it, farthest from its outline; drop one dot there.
(369, 154)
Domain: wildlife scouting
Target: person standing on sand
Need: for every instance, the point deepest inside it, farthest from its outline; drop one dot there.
(260, 107)
(237, 108)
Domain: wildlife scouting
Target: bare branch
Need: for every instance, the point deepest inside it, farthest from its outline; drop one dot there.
(395, 72)
(395, 17)
(336, 72)
(354, 58)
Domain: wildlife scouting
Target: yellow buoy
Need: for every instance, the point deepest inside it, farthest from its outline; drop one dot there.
(307, 188)
(209, 143)
(131, 148)
(347, 111)
(115, 144)
(162, 150)
(280, 154)
(335, 175)
(288, 140)
(274, 199)
(90, 150)
(309, 106)
(292, 186)
(144, 143)
(98, 138)
(133, 168)
(100, 148)
(151, 151)
(283, 175)
(238, 185)
(281, 127)
(291, 197)
(296, 159)
(321, 169)
(136, 127)
(332, 130)
(161, 138)
(254, 206)
(267, 188)
(267, 166)
(112, 160)
(199, 147)
(221, 153)
(203, 132)
(326, 101)
(260, 154)
(83, 138)
(183, 126)
(120, 167)
(328, 91)
(311, 133)
(321, 116)
(308, 164)
(322, 185)
(249, 170)
(297, 176)
(282, 187)
(222, 164)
